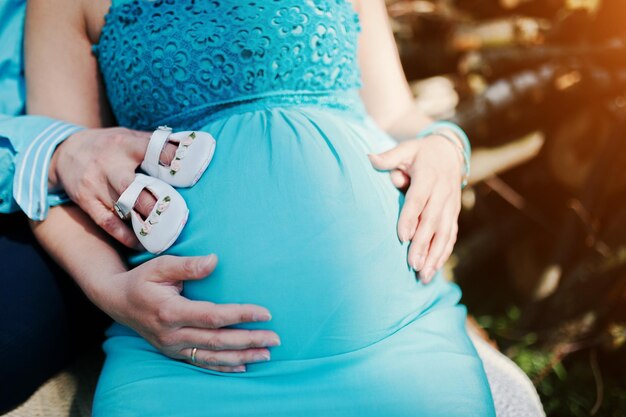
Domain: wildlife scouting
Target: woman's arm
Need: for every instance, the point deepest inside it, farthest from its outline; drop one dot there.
(62, 75)
(385, 91)
(429, 215)
(95, 165)
(63, 82)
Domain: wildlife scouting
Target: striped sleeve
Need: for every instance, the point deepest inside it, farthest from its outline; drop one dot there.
(30, 183)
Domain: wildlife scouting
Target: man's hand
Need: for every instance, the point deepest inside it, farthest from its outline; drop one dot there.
(148, 300)
(95, 166)
(430, 170)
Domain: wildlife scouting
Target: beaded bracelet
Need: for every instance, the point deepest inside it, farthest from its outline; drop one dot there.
(439, 129)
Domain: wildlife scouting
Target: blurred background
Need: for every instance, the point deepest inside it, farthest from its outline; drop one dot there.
(540, 87)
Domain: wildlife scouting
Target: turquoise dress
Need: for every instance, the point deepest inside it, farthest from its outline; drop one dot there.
(300, 220)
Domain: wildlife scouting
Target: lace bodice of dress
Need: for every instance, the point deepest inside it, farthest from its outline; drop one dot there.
(165, 60)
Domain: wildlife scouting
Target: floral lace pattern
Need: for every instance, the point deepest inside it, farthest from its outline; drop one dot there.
(164, 58)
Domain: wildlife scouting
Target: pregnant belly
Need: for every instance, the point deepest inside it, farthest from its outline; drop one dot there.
(303, 225)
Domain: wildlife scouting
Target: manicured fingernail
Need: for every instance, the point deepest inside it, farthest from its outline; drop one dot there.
(426, 275)
(262, 357)
(404, 236)
(239, 369)
(209, 260)
(272, 342)
(261, 317)
(419, 262)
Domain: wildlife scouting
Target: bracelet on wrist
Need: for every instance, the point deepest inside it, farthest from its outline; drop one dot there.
(459, 139)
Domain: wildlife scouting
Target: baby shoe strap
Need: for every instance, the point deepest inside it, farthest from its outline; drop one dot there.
(127, 200)
(150, 162)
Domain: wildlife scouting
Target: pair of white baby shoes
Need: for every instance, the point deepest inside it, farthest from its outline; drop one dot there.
(162, 227)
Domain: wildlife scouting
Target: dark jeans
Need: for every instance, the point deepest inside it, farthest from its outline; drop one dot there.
(45, 320)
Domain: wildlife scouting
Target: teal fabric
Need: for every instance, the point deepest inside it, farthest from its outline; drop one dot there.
(30, 183)
(22, 136)
(210, 54)
(18, 133)
(11, 92)
(302, 224)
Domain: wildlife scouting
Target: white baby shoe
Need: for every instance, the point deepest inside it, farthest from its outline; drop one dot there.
(194, 153)
(166, 220)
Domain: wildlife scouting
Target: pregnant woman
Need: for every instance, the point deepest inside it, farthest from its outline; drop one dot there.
(302, 222)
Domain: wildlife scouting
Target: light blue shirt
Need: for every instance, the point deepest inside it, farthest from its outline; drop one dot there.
(26, 142)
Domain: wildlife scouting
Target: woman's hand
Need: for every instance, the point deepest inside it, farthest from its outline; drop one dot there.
(94, 167)
(430, 171)
(148, 300)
